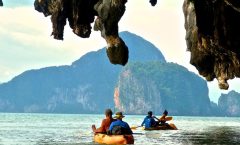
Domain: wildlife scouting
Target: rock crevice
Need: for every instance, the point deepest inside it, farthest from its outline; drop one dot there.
(212, 36)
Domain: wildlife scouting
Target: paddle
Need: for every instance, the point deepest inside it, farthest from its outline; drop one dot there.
(138, 133)
(169, 118)
(135, 127)
(166, 119)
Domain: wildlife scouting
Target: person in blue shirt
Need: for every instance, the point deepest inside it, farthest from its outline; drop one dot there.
(119, 127)
(149, 121)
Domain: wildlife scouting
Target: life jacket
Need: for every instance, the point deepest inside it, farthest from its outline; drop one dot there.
(149, 122)
(119, 130)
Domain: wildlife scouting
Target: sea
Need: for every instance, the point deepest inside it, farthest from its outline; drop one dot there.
(75, 129)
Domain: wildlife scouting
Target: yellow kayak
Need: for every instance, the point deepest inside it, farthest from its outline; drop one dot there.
(171, 126)
(113, 139)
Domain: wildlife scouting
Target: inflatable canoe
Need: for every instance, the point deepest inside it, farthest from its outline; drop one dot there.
(171, 126)
(113, 139)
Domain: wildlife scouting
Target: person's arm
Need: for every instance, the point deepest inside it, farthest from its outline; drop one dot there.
(163, 118)
(153, 122)
(101, 128)
(93, 128)
(143, 121)
(157, 118)
(130, 131)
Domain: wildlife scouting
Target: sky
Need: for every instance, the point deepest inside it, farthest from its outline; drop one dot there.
(25, 41)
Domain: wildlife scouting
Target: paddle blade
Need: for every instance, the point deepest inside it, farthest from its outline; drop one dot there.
(134, 127)
(168, 118)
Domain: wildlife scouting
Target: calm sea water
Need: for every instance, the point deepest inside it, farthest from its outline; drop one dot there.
(33, 129)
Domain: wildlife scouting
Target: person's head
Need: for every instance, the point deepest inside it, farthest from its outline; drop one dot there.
(150, 113)
(165, 112)
(108, 113)
(119, 115)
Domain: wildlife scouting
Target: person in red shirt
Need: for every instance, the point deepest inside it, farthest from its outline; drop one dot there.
(105, 123)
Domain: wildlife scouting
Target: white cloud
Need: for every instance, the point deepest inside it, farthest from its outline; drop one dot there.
(25, 42)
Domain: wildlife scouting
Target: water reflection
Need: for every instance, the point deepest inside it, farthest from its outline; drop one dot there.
(212, 135)
(55, 129)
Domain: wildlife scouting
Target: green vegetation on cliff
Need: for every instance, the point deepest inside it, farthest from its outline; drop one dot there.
(85, 86)
(157, 86)
(229, 104)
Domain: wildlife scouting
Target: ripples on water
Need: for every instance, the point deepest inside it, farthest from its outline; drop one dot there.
(57, 129)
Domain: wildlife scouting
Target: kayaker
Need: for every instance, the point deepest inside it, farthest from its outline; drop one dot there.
(105, 123)
(149, 121)
(163, 118)
(119, 127)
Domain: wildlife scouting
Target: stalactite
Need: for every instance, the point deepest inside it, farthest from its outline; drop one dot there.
(212, 36)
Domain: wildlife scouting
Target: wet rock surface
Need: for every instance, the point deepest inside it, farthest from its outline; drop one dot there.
(81, 13)
(212, 36)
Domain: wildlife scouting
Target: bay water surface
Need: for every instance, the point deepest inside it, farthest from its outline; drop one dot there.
(34, 129)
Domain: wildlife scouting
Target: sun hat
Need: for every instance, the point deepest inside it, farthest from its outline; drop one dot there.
(119, 115)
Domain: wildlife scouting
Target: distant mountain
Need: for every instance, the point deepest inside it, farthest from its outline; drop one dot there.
(229, 103)
(86, 86)
(92, 84)
(157, 86)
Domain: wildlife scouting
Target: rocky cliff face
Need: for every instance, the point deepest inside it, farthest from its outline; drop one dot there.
(1, 3)
(212, 31)
(212, 35)
(229, 103)
(86, 86)
(81, 13)
(157, 86)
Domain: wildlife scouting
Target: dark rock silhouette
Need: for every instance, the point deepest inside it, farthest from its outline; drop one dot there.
(212, 31)
(212, 35)
(153, 2)
(81, 13)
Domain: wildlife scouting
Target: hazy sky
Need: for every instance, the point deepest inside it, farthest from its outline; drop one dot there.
(25, 41)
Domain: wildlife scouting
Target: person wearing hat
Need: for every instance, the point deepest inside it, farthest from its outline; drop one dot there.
(119, 127)
(105, 123)
(149, 121)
